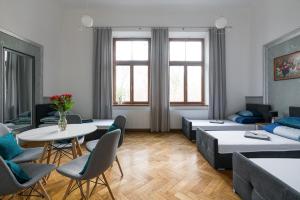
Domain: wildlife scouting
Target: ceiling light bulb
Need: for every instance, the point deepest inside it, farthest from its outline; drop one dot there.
(87, 21)
(221, 23)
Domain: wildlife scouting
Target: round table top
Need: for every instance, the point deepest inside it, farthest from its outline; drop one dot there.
(52, 133)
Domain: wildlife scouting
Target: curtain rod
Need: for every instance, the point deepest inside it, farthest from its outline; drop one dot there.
(149, 27)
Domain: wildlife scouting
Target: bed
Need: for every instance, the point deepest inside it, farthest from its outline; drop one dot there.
(266, 178)
(217, 147)
(189, 126)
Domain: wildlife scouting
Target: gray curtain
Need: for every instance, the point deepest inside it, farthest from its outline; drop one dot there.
(102, 75)
(217, 74)
(160, 114)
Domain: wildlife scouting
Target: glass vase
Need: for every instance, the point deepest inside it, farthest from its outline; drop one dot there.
(62, 122)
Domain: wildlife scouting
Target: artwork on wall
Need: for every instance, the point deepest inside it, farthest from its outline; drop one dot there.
(287, 66)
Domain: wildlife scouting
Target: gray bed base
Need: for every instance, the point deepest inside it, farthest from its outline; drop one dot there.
(251, 182)
(187, 127)
(207, 145)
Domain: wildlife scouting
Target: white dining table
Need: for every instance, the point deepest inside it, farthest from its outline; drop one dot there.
(50, 134)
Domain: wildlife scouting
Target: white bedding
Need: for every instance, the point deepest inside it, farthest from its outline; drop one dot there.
(228, 125)
(234, 141)
(285, 169)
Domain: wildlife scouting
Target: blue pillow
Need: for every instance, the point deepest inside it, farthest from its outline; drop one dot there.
(18, 172)
(86, 164)
(293, 122)
(249, 120)
(248, 113)
(9, 147)
(270, 127)
(112, 128)
(245, 113)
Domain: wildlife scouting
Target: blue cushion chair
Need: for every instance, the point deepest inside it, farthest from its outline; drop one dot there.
(28, 154)
(10, 185)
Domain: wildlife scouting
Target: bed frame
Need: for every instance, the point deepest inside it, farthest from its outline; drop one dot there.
(187, 127)
(41, 111)
(207, 145)
(252, 182)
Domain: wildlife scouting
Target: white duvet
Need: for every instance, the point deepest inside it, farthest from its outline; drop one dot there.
(228, 125)
(234, 141)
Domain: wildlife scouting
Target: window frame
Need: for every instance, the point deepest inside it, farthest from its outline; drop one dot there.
(131, 63)
(185, 64)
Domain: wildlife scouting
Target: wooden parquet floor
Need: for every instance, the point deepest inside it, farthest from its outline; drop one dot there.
(157, 167)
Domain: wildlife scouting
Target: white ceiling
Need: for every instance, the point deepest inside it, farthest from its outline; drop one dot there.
(91, 3)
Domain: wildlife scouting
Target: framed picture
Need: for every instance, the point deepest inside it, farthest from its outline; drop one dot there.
(287, 66)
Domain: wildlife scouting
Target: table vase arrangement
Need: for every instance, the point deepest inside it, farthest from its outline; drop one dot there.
(62, 103)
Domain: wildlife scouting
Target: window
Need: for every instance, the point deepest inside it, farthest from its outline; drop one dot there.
(131, 71)
(187, 71)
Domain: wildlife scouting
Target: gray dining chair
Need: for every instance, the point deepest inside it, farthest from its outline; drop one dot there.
(63, 147)
(10, 186)
(28, 154)
(120, 121)
(95, 164)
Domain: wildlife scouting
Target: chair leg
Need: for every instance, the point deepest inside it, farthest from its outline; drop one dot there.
(44, 192)
(81, 189)
(68, 189)
(119, 166)
(87, 196)
(94, 188)
(107, 185)
(59, 158)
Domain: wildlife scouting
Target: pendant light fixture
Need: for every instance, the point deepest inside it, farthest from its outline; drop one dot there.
(86, 20)
(221, 23)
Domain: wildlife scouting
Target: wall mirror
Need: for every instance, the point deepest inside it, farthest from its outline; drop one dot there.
(17, 88)
(21, 81)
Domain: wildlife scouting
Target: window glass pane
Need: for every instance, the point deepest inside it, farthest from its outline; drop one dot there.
(194, 51)
(194, 83)
(140, 83)
(176, 83)
(122, 83)
(123, 50)
(140, 50)
(177, 51)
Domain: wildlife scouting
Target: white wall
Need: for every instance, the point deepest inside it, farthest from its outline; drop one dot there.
(76, 67)
(270, 20)
(39, 21)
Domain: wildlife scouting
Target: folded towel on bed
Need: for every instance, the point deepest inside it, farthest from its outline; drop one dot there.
(255, 135)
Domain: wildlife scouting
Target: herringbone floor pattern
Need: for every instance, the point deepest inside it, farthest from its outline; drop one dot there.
(157, 167)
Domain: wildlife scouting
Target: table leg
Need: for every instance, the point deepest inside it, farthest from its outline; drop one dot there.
(74, 148)
(49, 152)
(44, 152)
(79, 151)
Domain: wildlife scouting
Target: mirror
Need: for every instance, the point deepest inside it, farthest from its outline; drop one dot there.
(18, 87)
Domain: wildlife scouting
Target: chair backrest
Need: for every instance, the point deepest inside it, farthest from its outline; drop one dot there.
(3, 130)
(74, 119)
(120, 121)
(103, 155)
(8, 183)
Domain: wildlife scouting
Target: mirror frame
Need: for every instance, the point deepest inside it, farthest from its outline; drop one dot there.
(13, 42)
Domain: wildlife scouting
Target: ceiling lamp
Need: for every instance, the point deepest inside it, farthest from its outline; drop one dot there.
(221, 22)
(87, 21)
